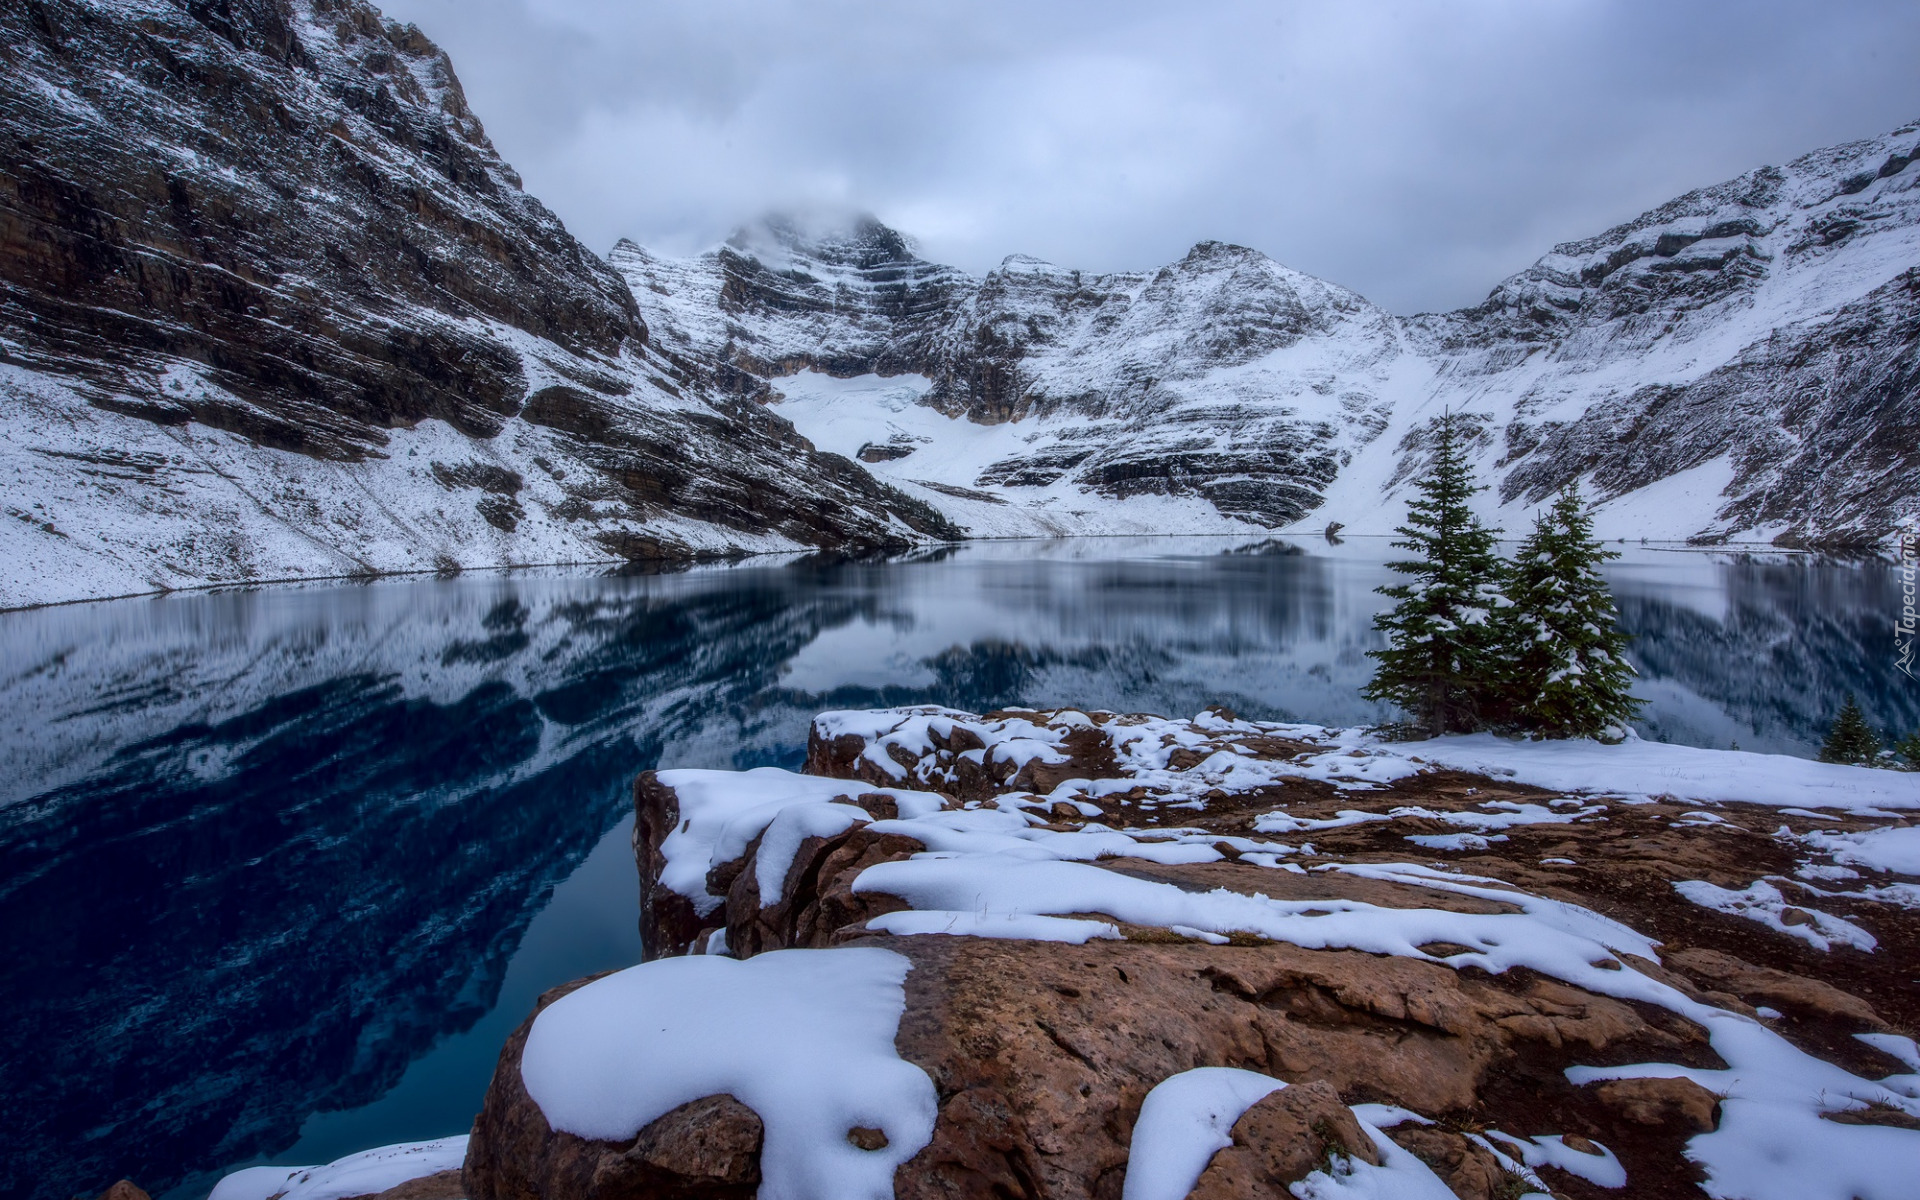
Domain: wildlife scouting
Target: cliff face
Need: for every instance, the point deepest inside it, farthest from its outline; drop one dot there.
(293, 199)
(1725, 350)
(271, 254)
(1760, 332)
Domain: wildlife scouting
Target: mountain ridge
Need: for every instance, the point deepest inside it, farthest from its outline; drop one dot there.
(272, 306)
(1760, 328)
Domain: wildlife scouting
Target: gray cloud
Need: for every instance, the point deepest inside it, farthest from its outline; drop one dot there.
(1414, 151)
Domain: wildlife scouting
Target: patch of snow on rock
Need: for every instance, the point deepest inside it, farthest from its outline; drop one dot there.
(805, 1038)
(1184, 1121)
(1763, 902)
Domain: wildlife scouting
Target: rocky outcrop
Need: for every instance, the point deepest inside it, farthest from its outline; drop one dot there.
(268, 296)
(1042, 1046)
(709, 1148)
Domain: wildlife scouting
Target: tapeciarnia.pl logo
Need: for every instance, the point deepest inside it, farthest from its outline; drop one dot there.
(1903, 628)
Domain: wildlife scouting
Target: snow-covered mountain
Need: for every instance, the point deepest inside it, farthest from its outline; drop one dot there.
(271, 305)
(1222, 390)
(1738, 364)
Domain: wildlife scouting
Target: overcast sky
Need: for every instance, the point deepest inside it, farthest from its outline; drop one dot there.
(1415, 151)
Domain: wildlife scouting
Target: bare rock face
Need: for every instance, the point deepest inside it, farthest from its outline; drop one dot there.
(1662, 1103)
(666, 917)
(294, 196)
(442, 1185)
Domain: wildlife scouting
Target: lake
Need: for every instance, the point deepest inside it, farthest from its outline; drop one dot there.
(284, 867)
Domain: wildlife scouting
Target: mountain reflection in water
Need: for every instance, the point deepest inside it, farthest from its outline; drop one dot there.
(271, 856)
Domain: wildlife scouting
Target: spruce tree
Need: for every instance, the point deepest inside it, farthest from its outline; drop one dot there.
(1851, 739)
(1566, 672)
(1440, 647)
(1908, 748)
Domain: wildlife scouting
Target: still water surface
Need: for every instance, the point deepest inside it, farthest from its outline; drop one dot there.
(281, 869)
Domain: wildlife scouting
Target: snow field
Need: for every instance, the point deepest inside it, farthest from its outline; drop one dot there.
(1637, 768)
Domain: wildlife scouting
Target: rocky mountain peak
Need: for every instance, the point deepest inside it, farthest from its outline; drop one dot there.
(1211, 252)
(1749, 323)
(1646, 276)
(849, 241)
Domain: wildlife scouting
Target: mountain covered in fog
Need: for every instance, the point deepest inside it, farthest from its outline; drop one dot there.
(271, 305)
(1737, 364)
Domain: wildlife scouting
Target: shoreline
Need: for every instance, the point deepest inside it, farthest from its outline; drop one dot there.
(674, 565)
(1413, 963)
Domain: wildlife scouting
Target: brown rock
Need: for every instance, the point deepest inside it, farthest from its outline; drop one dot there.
(1469, 1169)
(709, 1143)
(1282, 1139)
(868, 1138)
(444, 1185)
(708, 1149)
(126, 1189)
(668, 921)
(1765, 985)
(980, 1148)
(1070, 1040)
(1662, 1102)
(1088, 752)
(818, 902)
(1043, 1053)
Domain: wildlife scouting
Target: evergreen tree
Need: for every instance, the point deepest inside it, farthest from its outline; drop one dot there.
(1908, 748)
(1439, 636)
(1851, 740)
(1565, 671)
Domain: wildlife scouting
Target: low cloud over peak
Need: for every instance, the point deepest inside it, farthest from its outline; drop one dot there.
(1415, 153)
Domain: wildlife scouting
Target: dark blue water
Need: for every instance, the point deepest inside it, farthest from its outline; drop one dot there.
(280, 870)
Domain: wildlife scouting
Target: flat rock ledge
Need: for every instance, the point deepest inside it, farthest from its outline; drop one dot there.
(1501, 1073)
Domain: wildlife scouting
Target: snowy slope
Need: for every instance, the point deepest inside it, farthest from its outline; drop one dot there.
(1738, 364)
(272, 305)
(1759, 334)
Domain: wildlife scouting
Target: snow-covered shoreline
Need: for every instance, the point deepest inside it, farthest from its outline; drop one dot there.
(959, 854)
